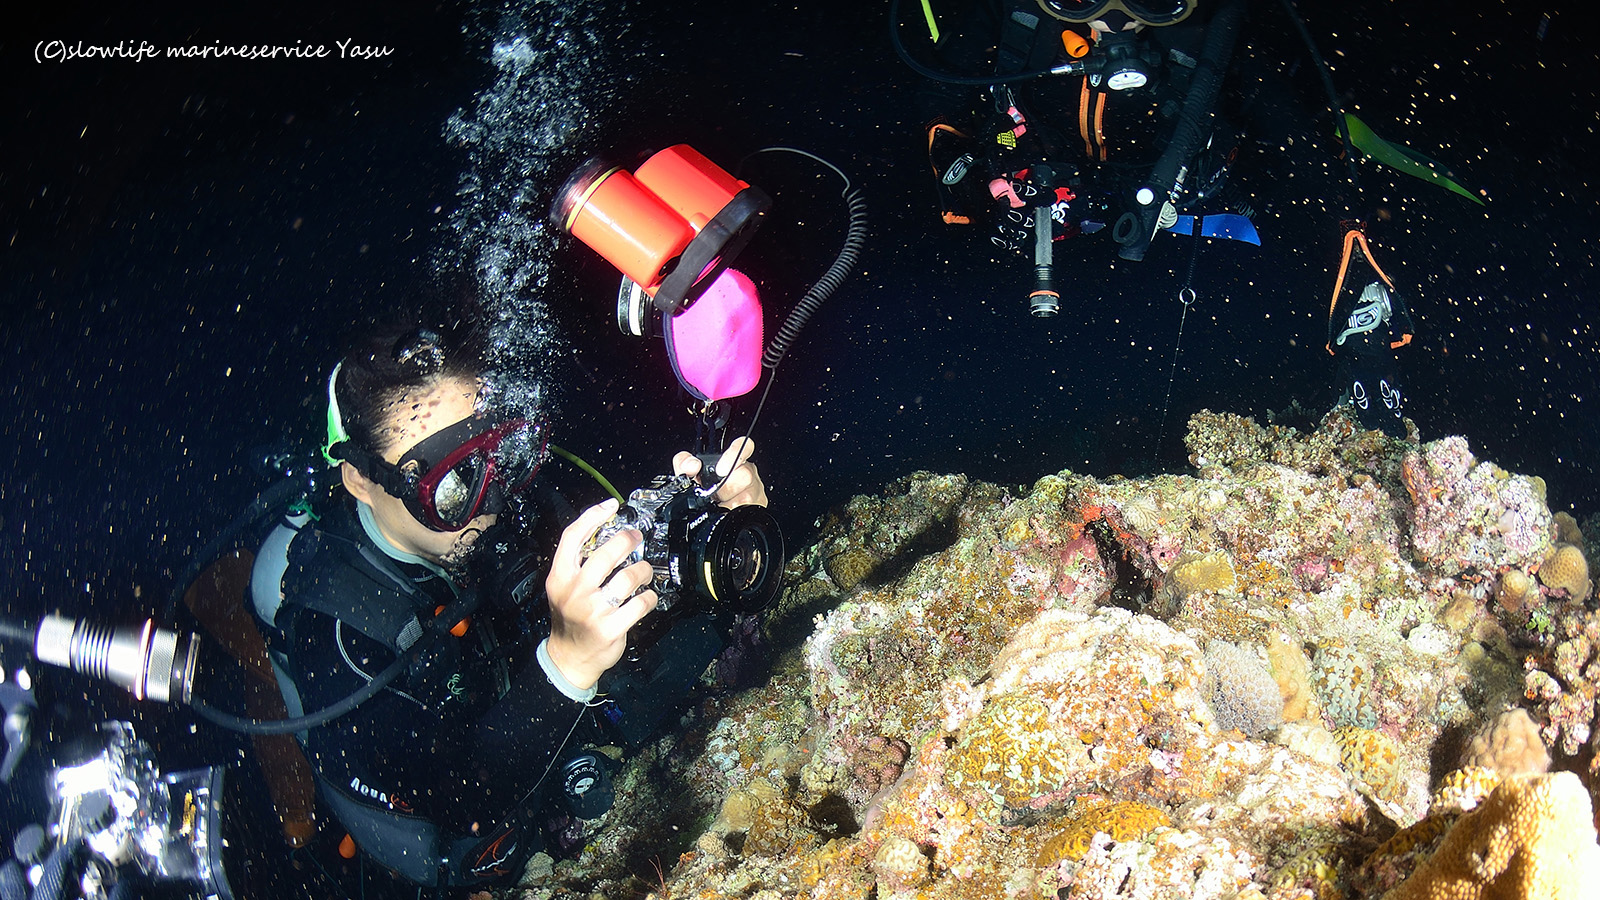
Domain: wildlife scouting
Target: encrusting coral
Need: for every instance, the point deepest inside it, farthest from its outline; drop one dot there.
(1226, 685)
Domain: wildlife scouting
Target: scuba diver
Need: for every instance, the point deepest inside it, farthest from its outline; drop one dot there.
(443, 776)
(1375, 324)
(1131, 142)
(457, 718)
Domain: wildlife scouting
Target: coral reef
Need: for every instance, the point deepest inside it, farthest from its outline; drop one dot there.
(1208, 572)
(1243, 693)
(1564, 681)
(1236, 683)
(1122, 821)
(1467, 515)
(1534, 836)
(1565, 569)
(1508, 744)
(1373, 761)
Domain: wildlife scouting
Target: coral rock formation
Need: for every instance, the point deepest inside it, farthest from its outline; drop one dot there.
(1076, 689)
(1533, 837)
(1509, 744)
(1565, 569)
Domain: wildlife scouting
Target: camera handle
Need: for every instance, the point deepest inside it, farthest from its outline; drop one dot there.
(710, 419)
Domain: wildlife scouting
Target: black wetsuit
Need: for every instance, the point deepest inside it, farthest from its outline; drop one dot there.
(1369, 369)
(457, 740)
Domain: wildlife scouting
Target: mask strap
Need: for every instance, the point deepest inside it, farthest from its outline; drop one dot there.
(336, 433)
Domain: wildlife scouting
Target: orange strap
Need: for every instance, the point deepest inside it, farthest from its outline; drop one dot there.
(1352, 237)
(1094, 142)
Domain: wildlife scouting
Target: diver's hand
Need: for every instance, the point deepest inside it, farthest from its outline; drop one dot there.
(743, 487)
(590, 607)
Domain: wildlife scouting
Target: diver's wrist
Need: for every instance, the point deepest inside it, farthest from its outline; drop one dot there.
(573, 688)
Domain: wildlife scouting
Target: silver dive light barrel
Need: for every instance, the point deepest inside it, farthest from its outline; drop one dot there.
(149, 662)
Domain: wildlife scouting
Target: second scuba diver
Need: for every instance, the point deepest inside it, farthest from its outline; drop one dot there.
(442, 776)
(1377, 325)
(1130, 143)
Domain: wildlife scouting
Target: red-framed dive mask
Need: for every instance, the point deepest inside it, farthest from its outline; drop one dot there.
(465, 471)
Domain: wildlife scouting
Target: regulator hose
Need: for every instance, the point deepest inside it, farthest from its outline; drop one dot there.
(855, 237)
(946, 77)
(1135, 229)
(318, 718)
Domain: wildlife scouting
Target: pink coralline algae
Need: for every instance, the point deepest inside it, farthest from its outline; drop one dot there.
(1468, 516)
(874, 763)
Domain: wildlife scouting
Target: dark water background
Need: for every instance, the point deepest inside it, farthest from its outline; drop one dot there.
(185, 244)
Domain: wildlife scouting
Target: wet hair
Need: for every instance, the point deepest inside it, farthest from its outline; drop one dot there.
(390, 362)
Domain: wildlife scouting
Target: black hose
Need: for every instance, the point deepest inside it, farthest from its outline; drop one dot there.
(855, 237)
(1190, 131)
(946, 77)
(21, 634)
(322, 716)
(271, 500)
(1327, 85)
(57, 869)
(13, 882)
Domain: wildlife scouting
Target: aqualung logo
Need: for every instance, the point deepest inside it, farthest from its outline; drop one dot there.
(369, 793)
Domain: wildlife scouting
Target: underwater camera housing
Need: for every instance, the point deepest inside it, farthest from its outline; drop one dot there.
(729, 557)
(127, 813)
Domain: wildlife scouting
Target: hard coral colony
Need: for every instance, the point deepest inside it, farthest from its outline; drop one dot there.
(1325, 665)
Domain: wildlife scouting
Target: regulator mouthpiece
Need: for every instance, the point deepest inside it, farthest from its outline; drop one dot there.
(671, 226)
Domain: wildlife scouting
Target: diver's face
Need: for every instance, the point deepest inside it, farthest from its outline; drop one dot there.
(416, 416)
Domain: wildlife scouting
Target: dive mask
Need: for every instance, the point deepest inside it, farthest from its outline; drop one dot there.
(465, 471)
(1145, 12)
